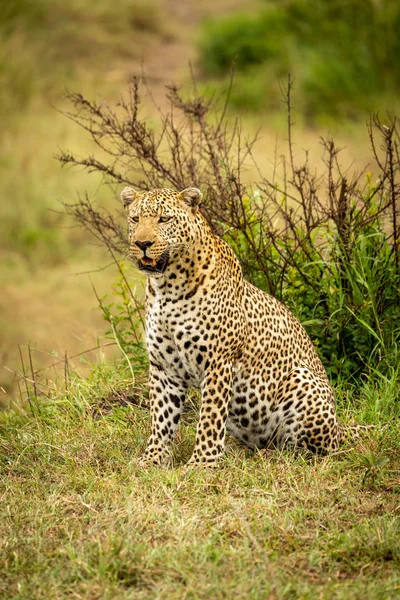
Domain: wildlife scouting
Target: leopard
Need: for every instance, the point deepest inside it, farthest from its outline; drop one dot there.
(258, 373)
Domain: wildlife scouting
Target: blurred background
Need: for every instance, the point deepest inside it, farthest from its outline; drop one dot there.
(344, 56)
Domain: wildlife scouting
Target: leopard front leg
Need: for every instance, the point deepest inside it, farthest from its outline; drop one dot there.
(167, 397)
(211, 428)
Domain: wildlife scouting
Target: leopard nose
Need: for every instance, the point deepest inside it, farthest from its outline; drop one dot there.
(144, 245)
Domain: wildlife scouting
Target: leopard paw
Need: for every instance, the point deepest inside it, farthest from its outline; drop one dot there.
(153, 459)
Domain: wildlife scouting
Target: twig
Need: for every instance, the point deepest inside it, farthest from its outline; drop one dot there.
(25, 379)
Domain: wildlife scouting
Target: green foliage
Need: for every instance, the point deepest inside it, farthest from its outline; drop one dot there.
(244, 39)
(124, 316)
(373, 464)
(346, 297)
(352, 315)
(345, 54)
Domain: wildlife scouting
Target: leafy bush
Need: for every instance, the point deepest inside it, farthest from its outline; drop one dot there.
(345, 53)
(346, 297)
(327, 244)
(245, 39)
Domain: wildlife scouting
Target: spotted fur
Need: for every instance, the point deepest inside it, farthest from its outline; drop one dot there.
(207, 327)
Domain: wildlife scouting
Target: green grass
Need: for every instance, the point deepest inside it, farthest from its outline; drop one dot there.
(79, 519)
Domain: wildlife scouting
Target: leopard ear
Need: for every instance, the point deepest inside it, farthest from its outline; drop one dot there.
(128, 195)
(192, 196)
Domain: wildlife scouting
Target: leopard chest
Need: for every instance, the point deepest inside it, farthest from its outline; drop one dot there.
(179, 339)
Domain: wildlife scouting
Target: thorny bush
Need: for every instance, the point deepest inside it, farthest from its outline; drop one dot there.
(327, 244)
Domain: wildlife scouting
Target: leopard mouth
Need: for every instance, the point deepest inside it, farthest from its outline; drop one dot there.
(150, 265)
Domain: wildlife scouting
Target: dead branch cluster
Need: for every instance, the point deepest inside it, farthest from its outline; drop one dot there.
(269, 223)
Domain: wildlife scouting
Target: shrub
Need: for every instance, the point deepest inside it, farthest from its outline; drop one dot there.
(345, 53)
(245, 39)
(327, 244)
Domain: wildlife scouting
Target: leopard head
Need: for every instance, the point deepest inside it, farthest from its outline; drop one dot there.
(162, 226)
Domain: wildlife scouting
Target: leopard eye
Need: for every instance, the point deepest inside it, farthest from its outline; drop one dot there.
(164, 219)
(135, 219)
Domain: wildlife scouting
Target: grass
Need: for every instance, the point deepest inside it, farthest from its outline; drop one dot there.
(78, 518)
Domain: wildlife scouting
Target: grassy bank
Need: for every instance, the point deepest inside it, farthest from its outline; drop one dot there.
(78, 518)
